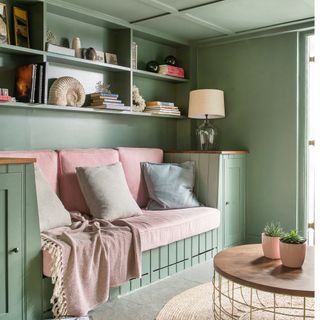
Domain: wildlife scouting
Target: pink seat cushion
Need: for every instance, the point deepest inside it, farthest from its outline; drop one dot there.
(131, 159)
(71, 194)
(159, 228)
(47, 161)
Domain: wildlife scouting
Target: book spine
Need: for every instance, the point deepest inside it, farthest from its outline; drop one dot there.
(39, 83)
(159, 103)
(45, 83)
(33, 85)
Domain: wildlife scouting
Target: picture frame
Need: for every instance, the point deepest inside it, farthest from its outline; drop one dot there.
(21, 27)
(100, 56)
(111, 58)
(4, 25)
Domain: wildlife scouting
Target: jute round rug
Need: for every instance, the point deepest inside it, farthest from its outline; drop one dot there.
(196, 304)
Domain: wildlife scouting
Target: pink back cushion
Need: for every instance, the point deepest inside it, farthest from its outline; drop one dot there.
(131, 159)
(47, 161)
(70, 191)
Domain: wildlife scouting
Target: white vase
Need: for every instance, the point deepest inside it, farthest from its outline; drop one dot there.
(76, 45)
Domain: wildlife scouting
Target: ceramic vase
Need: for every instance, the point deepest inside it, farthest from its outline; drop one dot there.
(292, 255)
(270, 246)
(76, 45)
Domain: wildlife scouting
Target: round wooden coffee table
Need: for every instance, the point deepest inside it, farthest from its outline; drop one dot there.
(249, 286)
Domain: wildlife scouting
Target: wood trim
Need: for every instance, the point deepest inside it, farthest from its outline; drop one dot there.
(17, 160)
(209, 152)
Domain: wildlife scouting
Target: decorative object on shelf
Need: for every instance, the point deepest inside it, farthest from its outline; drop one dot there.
(90, 54)
(111, 58)
(138, 103)
(100, 56)
(51, 37)
(162, 107)
(102, 87)
(25, 83)
(108, 101)
(171, 71)
(206, 104)
(152, 66)
(293, 249)
(59, 49)
(4, 25)
(21, 27)
(76, 46)
(134, 55)
(4, 95)
(67, 91)
(271, 240)
(170, 60)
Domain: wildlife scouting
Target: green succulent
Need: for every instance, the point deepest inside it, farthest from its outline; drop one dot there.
(293, 237)
(273, 230)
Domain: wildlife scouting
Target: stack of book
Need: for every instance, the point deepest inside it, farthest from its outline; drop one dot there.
(171, 71)
(109, 101)
(161, 107)
(32, 83)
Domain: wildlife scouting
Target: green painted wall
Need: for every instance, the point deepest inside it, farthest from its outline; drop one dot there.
(259, 78)
(42, 129)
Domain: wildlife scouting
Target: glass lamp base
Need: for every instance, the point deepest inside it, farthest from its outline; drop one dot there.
(206, 135)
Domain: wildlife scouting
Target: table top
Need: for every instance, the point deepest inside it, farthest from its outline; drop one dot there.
(247, 266)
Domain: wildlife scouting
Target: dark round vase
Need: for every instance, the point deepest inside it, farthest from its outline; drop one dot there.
(152, 66)
(170, 60)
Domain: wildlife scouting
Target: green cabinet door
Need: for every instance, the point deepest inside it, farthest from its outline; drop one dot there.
(233, 199)
(11, 267)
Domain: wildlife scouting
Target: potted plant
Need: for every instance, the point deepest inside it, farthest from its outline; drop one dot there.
(292, 249)
(271, 240)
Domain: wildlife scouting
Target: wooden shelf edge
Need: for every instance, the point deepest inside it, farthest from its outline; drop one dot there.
(209, 151)
(49, 107)
(16, 160)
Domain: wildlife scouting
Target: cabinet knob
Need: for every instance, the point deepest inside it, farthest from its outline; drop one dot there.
(15, 250)
(227, 203)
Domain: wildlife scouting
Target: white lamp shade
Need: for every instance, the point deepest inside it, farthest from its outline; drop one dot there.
(208, 102)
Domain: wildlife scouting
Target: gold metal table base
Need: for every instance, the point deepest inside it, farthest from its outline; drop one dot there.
(232, 301)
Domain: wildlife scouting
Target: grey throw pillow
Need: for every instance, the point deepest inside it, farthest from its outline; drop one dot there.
(170, 185)
(52, 213)
(106, 192)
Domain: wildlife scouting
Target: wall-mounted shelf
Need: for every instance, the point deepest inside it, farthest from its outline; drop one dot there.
(82, 63)
(11, 49)
(158, 76)
(49, 107)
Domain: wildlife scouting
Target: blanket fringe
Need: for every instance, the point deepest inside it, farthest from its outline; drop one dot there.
(58, 299)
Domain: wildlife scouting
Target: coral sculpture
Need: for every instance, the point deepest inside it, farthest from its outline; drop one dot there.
(139, 103)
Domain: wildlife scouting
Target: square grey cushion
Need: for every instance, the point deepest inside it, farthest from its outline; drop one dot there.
(52, 213)
(170, 185)
(106, 192)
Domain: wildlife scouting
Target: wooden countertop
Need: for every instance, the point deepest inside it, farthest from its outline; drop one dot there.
(247, 266)
(17, 160)
(210, 151)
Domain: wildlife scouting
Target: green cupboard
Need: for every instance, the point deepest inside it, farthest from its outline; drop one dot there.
(20, 259)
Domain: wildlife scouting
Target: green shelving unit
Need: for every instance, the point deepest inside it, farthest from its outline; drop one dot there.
(106, 34)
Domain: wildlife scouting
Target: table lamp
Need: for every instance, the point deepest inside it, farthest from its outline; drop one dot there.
(206, 104)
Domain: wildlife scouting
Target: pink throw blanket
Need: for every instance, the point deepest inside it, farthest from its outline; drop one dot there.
(90, 257)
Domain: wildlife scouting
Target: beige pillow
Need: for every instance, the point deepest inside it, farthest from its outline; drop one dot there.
(106, 192)
(52, 213)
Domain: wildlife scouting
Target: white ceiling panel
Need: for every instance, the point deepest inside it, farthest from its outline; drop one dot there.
(240, 15)
(179, 27)
(182, 4)
(128, 10)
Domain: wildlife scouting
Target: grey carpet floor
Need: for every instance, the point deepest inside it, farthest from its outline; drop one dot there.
(145, 303)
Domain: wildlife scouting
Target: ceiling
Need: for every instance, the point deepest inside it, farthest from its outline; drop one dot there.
(199, 19)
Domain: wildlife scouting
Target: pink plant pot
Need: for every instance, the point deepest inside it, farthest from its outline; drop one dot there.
(292, 255)
(270, 246)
